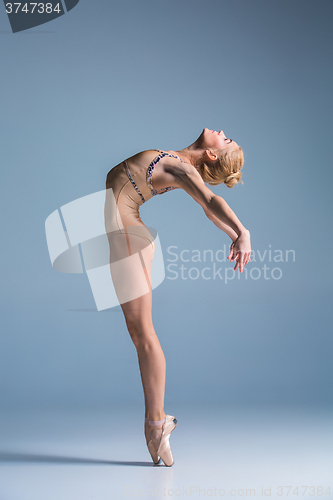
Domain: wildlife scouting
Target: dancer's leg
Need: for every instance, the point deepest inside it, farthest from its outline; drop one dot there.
(150, 354)
(131, 258)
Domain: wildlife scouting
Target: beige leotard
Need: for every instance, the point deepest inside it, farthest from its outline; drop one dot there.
(127, 190)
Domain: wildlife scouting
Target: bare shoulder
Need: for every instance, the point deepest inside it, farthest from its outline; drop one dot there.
(186, 177)
(179, 168)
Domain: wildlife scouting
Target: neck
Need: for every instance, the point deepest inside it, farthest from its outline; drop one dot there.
(191, 154)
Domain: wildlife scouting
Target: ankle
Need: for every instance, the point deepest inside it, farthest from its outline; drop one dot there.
(155, 417)
(157, 423)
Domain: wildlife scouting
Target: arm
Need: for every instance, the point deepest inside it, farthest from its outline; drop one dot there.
(216, 209)
(220, 210)
(240, 249)
(221, 225)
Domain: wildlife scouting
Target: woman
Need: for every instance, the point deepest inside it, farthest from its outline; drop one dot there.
(212, 158)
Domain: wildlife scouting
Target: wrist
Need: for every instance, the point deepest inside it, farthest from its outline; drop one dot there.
(244, 233)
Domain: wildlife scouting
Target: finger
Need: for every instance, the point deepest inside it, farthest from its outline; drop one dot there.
(234, 255)
(241, 262)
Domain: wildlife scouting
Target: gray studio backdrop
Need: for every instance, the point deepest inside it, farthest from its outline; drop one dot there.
(109, 79)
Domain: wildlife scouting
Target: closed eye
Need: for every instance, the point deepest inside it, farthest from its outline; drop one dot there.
(230, 140)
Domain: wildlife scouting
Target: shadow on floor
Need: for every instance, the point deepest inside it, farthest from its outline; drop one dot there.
(52, 459)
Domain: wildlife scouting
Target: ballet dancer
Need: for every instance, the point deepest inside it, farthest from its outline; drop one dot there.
(213, 159)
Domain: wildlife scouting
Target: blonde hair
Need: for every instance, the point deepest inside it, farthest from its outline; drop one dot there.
(226, 169)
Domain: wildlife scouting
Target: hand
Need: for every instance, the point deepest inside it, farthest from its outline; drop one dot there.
(240, 250)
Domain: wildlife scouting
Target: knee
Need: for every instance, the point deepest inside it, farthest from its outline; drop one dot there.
(140, 333)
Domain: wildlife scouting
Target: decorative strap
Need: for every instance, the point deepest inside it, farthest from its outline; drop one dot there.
(150, 170)
(157, 422)
(132, 181)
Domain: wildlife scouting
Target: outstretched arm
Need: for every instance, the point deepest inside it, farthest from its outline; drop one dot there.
(215, 207)
(240, 249)
(221, 225)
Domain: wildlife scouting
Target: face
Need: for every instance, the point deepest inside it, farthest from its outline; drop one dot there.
(213, 139)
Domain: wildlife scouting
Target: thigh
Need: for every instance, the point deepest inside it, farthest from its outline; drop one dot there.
(130, 260)
(138, 315)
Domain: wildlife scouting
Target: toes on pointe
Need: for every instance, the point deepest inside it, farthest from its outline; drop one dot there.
(159, 446)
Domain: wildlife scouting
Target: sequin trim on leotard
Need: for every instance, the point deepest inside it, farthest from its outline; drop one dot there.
(132, 181)
(150, 170)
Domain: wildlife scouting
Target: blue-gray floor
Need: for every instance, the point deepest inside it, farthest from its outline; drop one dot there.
(219, 451)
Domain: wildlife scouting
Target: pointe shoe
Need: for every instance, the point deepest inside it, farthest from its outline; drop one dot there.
(164, 448)
(156, 459)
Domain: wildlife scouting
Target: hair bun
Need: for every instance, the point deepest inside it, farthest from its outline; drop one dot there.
(232, 179)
